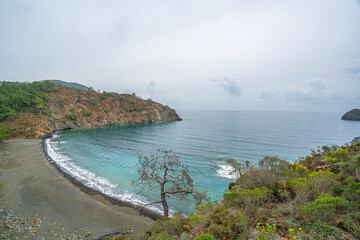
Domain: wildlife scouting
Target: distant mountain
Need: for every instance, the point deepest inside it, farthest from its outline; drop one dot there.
(69, 84)
(352, 115)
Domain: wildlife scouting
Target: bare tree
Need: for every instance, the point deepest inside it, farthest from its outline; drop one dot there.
(165, 169)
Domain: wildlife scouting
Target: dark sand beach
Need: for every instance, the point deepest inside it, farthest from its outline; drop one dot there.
(39, 202)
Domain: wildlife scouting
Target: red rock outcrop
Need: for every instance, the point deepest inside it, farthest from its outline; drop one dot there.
(72, 108)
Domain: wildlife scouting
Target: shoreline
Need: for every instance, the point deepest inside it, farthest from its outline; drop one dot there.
(39, 201)
(144, 212)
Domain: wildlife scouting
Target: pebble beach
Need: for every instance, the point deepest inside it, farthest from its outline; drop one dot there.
(38, 202)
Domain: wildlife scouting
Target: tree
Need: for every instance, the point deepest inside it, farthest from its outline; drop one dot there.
(238, 168)
(165, 169)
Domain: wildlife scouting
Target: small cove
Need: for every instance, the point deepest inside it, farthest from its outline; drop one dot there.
(105, 159)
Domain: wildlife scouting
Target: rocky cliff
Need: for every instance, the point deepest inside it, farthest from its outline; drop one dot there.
(352, 115)
(71, 108)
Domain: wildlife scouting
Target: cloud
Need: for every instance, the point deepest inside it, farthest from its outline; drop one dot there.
(314, 91)
(230, 86)
(268, 93)
(151, 87)
(355, 67)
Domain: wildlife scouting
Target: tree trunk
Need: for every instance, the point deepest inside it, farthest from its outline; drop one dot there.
(163, 199)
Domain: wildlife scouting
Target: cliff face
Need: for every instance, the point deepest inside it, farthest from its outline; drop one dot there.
(352, 115)
(74, 108)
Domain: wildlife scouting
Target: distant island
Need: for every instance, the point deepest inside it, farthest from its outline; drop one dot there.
(352, 115)
(36, 110)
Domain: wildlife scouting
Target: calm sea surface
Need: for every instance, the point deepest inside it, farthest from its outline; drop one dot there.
(106, 158)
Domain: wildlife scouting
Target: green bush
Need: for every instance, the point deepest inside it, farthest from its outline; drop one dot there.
(5, 132)
(321, 231)
(351, 223)
(226, 222)
(93, 101)
(72, 116)
(149, 102)
(266, 232)
(205, 237)
(60, 102)
(326, 208)
(340, 155)
(86, 113)
(257, 196)
(104, 95)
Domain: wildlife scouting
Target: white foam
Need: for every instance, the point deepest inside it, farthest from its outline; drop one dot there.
(91, 180)
(227, 171)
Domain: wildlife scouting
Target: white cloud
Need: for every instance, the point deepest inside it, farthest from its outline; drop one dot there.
(268, 93)
(315, 90)
(230, 86)
(355, 67)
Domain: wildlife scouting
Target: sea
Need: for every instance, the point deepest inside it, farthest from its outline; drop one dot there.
(106, 158)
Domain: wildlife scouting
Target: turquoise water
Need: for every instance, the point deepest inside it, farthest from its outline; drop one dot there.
(106, 158)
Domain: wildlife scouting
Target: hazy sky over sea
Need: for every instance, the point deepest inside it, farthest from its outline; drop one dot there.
(299, 55)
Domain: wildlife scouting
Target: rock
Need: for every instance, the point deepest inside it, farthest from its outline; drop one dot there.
(352, 115)
(87, 234)
(321, 168)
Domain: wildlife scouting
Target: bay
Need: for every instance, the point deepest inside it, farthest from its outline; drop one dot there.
(106, 158)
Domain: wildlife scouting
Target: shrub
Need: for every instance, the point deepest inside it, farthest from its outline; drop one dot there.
(104, 95)
(351, 223)
(72, 117)
(326, 208)
(321, 230)
(175, 225)
(255, 178)
(256, 196)
(274, 164)
(93, 101)
(60, 102)
(291, 223)
(161, 236)
(226, 222)
(149, 102)
(321, 182)
(266, 232)
(86, 113)
(352, 192)
(298, 169)
(294, 233)
(340, 155)
(252, 197)
(5, 132)
(205, 237)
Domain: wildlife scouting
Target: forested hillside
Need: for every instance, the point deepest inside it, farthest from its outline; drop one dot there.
(35, 110)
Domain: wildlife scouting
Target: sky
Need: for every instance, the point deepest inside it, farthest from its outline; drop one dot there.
(240, 55)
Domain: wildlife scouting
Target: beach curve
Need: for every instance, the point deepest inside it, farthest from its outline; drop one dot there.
(36, 191)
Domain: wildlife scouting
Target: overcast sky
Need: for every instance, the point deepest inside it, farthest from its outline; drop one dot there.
(277, 55)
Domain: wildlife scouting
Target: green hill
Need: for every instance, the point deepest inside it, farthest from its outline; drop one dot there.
(69, 84)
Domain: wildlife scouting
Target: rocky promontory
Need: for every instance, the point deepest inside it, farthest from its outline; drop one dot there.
(352, 115)
(71, 108)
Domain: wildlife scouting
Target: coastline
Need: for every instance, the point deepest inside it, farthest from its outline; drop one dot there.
(144, 212)
(52, 205)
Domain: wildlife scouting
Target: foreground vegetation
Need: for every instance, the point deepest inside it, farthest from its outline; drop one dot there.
(315, 198)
